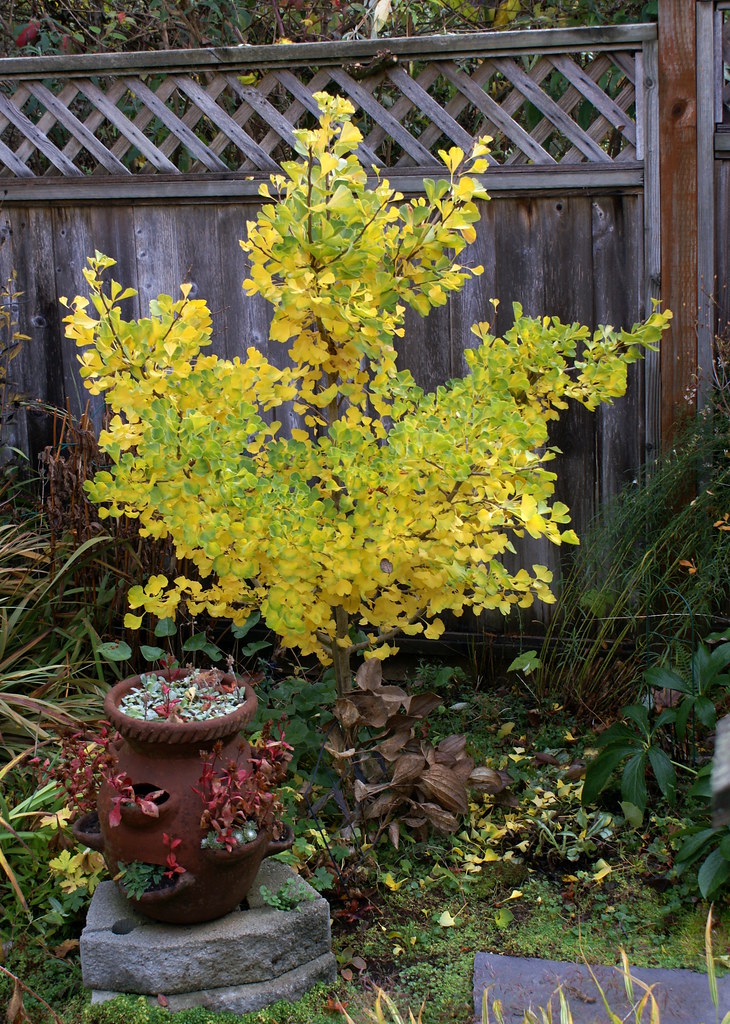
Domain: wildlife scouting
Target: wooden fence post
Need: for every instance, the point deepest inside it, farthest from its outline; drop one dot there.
(678, 175)
(709, 59)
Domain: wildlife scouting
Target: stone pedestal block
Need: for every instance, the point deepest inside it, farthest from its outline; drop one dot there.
(241, 962)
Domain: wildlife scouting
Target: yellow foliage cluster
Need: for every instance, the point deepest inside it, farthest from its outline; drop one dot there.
(386, 506)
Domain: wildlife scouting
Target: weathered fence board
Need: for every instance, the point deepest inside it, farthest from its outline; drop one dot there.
(722, 252)
(617, 286)
(538, 251)
(678, 165)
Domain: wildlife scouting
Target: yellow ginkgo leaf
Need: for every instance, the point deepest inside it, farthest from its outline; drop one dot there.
(603, 870)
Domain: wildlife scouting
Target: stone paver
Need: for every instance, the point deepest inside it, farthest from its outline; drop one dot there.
(683, 996)
(721, 773)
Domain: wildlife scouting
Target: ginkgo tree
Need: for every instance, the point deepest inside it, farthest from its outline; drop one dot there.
(385, 506)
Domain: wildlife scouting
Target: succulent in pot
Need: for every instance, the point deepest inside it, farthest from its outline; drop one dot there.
(187, 808)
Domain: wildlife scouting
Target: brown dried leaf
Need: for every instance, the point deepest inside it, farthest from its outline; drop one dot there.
(381, 806)
(398, 722)
(64, 948)
(370, 674)
(15, 1013)
(394, 833)
(372, 768)
(451, 749)
(335, 738)
(363, 791)
(346, 712)
(486, 780)
(360, 791)
(575, 771)
(394, 697)
(421, 704)
(372, 711)
(407, 769)
(359, 964)
(440, 819)
(163, 1000)
(340, 755)
(413, 822)
(391, 747)
(428, 751)
(441, 785)
(463, 768)
(545, 758)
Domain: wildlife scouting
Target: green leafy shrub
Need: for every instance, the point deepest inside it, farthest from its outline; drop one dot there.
(304, 702)
(645, 743)
(42, 27)
(137, 877)
(639, 744)
(42, 893)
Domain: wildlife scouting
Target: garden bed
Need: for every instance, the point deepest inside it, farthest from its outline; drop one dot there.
(410, 920)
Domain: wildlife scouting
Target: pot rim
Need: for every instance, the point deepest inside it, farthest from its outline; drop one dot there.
(174, 733)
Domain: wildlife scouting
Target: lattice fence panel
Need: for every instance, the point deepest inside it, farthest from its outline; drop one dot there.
(544, 109)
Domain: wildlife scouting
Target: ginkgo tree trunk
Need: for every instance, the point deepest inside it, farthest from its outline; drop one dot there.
(386, 506)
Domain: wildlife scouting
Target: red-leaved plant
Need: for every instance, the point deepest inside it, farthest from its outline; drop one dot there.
(87, 761)
(126, 796)
(239, 797)
(236, 797)
(174, 867)
(84, 762)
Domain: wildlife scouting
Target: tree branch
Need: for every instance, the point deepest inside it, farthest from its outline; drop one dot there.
(384, 638)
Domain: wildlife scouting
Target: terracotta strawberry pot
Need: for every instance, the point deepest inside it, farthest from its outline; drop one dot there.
(162, 760)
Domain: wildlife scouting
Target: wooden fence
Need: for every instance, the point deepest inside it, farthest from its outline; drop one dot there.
(156, 158)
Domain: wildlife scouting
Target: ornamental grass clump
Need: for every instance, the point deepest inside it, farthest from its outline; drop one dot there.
(386, 506)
